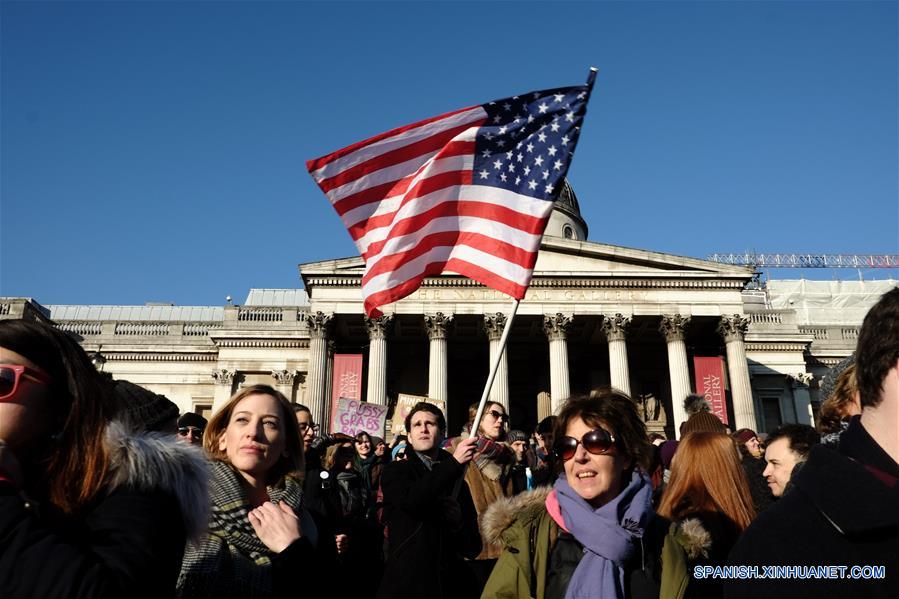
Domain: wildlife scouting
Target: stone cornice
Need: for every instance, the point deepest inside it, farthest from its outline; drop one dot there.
(760, 347)
(561, 283)
(301, 343)
(158, 357)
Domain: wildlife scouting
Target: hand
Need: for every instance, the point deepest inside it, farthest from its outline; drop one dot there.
(277, 526)
(465, 450)
(9, 466)
(342, 542)
(451, 512)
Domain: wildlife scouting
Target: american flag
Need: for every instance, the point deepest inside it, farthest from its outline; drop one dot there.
(469, 191)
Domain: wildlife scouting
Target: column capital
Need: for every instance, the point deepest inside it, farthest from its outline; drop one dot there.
(223, 376)
(615, 327)
(378, 326)
(286, 377)
(733, 328)
(673, 327)
(494, 325)
(556, 326)
(800, 379)
(437, 324)
(318, 324)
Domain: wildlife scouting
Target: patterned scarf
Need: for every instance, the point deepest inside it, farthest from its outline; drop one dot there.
(491, 456)
(231, 560)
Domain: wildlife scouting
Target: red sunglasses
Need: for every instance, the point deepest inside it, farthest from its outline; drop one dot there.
(597, 442)
(11, 374)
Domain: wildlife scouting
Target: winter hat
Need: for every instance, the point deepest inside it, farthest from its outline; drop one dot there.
(829, 382)
(516, 435)
(745, 434)
(396, 450)
(375, 441)
(142, 409)
(703, 421)
(666, 453)
(191, 419)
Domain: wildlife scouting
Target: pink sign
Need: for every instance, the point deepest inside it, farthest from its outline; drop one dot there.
(346, 381)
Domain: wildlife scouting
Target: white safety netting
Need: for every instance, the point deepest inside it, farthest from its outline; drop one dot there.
(827, 302)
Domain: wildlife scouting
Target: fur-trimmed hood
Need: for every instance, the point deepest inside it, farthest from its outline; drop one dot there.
(147, 461)
(503, 513)
(693, 536)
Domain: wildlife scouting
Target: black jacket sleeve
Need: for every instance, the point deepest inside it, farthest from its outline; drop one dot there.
(129, 544)
(418, 497)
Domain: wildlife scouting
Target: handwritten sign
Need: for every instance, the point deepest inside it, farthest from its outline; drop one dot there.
(353, 416)
(404, 405)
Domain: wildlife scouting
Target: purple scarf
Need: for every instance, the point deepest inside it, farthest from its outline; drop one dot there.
(607, 534)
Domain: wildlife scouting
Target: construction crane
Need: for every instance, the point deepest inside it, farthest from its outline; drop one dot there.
(808, 260)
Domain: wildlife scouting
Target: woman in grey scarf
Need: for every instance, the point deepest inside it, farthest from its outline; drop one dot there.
(260, 537)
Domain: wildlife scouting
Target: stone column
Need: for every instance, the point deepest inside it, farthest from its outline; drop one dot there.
(499, 392)
(544, 405)
(556, 328)
(377, 358)
(673, 327)
(316, 384)
(615, 328)
(224, 383)
(733, 329)
(436, 325)
(325, 422)
(802, 399)
(284, 381)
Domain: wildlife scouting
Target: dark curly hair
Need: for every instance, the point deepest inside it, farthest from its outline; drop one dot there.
(878, 348)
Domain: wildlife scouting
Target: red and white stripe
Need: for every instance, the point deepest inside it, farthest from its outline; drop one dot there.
(407, 199)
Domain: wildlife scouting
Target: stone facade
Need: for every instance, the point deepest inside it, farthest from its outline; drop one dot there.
(595, 315)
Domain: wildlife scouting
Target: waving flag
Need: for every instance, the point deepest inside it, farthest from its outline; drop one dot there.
(469, 192)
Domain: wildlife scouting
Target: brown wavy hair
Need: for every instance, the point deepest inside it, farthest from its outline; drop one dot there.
(76, 462)
(706, 476)
(292, 465)
(835, 409)
(613, 409)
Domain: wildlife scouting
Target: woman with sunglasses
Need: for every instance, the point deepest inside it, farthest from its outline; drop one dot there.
(489, 474)
(89, 506)
(584, 536)
(709, 505)
(259, 536)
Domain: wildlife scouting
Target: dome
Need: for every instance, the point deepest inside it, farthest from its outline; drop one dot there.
(566, 220)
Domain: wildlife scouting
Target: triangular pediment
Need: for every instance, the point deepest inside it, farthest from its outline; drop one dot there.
(568, 258)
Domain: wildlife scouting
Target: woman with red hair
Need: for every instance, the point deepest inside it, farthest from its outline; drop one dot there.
(709, 505)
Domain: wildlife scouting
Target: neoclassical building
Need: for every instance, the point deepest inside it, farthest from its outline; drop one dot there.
(595, 315)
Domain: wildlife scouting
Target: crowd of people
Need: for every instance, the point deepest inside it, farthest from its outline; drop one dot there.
(106, 491)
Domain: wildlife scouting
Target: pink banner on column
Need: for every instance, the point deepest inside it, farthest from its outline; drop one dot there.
(346, 382)
(710, 382)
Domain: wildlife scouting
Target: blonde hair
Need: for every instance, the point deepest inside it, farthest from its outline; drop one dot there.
(290, 465)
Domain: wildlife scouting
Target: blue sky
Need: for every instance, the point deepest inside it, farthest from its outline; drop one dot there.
(154, 151)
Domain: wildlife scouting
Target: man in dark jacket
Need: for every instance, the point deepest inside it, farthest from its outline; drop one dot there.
(429, 531)
(841, 507)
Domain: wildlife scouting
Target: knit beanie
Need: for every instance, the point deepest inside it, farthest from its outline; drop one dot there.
(191, 419)
(744, 434)
(396, 450)
(666, 453)
(703, 421)
(516, 435)
(142, 409)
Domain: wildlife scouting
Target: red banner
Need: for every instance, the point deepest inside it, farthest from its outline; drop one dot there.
(346, 382)
(710, 382)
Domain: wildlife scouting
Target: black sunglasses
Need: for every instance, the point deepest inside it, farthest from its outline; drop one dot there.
(597, 442)
(194, 433)
(499, 415)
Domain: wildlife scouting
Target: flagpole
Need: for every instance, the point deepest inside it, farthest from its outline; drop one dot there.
(493, 368)
(591, 78)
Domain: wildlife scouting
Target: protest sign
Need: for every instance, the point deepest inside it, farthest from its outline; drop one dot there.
(353, 416)
(404, 404)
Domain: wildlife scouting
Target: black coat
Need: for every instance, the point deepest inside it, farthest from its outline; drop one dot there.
(836, 512)
(128, 543)
(425, 548)
(758, 486)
